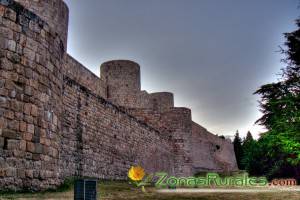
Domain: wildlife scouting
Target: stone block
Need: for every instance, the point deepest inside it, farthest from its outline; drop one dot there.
(12, 144)
(31, 44)
(38, 148)
(11, 172)
(30, 128)
(14, 57)
(29, 173)
(13, 94)
(45, 150)
(1, 142)
(40, 59)
(55, 120)
(28, 90)
(10, 14)
(3, 43)
(30, 147)
(11, 45)
(28, 156)
(9, 114)
(21, 173)
(36, 173)
(2, 10)
(6, 32)
(3, 124)
(43, 140)
(50, 66)
(47, 142)
(3, 102)
(10, 134)
(22, 145)
(43, 133)
(43, 174)
(23, 126)
(18, 153)
(36, 157)
(27, 108)
(19, 49)
(34, 110)
(2, 172)
(28, 53)
(28, 119)
(34, 27)
(17, 106)
(49, 174)
(3, 92)
(28, 136)
(9, 84)
(13, 125)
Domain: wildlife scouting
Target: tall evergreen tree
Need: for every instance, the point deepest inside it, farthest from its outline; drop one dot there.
(247, 146)
(248, 141)
(280, 105)
(249, 138)
(237, 144)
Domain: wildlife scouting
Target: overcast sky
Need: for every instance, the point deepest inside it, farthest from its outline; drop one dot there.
(211, 54)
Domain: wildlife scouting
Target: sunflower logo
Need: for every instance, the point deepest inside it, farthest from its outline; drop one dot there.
(136, 175)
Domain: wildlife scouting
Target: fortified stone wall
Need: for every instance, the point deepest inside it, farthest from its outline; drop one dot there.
(218, 153)
(76, 71)
(31, 54)
(59, 120)
(206, 151)
(105, 140)
(54, 12)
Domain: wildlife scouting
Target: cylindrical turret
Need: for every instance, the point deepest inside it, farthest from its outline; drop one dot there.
(54, 12)
(123, 81)
(162, 101)
(31, 41)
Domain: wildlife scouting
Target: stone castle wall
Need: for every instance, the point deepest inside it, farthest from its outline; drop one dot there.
(57, 119)
(54, 12)
(76, 71)
(31, 54)
(105, 140)
(215, 151)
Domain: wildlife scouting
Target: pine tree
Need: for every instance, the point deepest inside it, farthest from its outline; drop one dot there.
(280, 105)
(238, 149)
(248, 139)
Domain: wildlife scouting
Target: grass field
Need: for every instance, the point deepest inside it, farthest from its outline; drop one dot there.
(121, 190)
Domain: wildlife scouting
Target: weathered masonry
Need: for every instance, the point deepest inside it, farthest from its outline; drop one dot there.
(57, 119)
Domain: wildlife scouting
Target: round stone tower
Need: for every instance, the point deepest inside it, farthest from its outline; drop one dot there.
(123, 81)
(162, 101)
(54, 12)
(33, 40)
